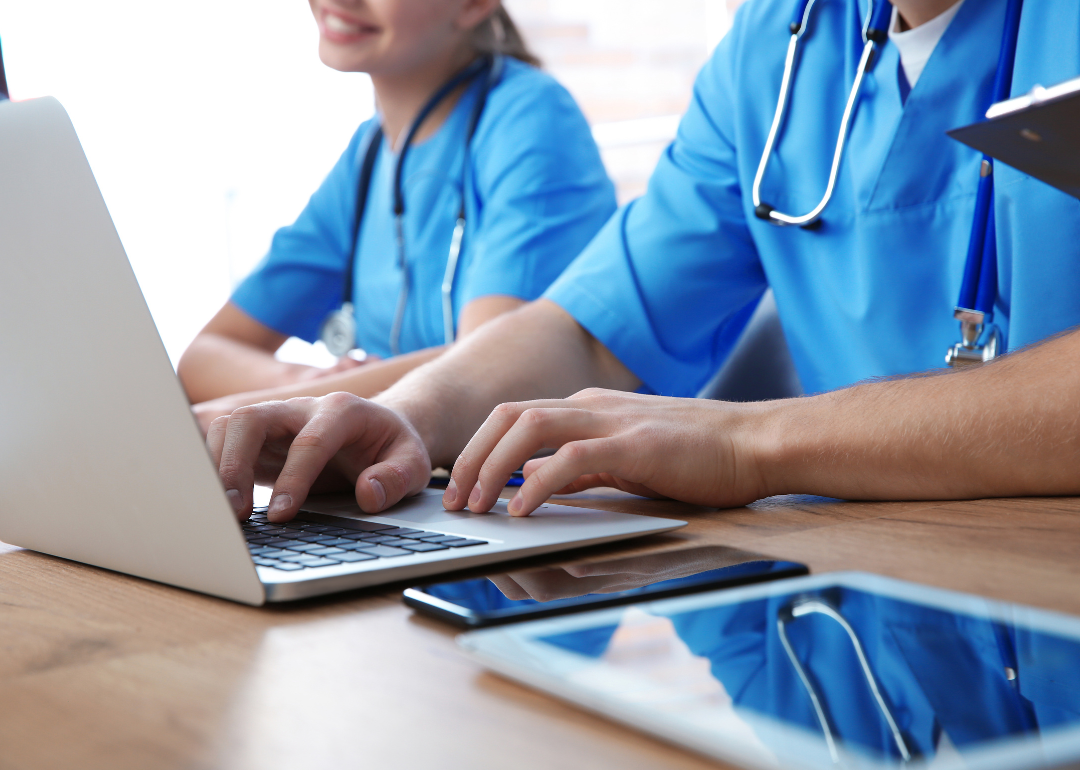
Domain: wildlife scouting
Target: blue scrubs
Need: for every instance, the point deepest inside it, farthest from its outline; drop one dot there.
(536, 192)
(670, 281)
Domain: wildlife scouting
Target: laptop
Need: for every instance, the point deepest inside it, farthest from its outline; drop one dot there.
(101, 460)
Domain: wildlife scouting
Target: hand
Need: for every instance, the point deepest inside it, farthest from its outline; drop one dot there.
(208, 411)
(694, 450)
(317, 444)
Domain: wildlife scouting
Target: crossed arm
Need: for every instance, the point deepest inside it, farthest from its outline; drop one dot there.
(530, 381)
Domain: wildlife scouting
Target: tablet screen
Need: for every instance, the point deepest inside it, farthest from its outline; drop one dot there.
(827, 674)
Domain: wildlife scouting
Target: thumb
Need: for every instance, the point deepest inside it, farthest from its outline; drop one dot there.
(403, 469)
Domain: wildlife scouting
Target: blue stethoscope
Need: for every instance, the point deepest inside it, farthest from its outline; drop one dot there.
(980, 340)
(339, 329)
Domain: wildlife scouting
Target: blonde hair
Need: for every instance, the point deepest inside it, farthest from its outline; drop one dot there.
(498, 34)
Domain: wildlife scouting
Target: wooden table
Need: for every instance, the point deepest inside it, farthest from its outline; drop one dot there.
(101, 670)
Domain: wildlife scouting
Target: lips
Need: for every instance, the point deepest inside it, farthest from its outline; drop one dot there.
(340, 29)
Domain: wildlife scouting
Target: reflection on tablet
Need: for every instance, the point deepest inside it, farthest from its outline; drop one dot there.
(823, 676)
(512, 595)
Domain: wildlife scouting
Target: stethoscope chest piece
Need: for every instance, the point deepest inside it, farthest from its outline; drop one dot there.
(339, 330)
(969, 351)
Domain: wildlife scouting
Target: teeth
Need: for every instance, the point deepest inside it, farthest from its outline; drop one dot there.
(337, 24)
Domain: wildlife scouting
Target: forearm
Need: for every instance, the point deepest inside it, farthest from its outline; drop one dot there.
(1009, 428)
(538, 351)
(215, 366)
(366, 381)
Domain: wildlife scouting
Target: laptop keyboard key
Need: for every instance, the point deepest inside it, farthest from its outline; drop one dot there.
(326, 552)
(403, 532)
(305, 547)
(321, 563)
(384, 551)
(424, 547)
(464, 543)
(354, 557)
(287, 566)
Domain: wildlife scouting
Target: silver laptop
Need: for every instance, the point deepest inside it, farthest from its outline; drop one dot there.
(101, 460)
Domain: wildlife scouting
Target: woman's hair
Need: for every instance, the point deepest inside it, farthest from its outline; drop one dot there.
(498, 34)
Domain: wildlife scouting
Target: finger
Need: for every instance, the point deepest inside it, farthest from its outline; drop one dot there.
(215, 439)
(466, 471)
(317, 441)
(245, 433)
(510, 589)
(569, 464)
(535, 429)
(403, 469)
(579, 484)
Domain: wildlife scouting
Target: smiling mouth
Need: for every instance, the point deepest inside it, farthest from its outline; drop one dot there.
(338, 27)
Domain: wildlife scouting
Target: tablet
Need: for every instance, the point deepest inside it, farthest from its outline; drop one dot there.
(584, 584)
(1036, 133)
(839, 670)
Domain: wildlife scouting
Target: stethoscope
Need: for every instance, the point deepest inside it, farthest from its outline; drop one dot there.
(978, 292)
(339, 329)
(3, 79)
(807, 606)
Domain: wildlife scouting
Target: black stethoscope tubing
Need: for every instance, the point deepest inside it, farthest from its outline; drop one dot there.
(493, 66)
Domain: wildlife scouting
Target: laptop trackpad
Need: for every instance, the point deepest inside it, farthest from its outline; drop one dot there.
(424, 508)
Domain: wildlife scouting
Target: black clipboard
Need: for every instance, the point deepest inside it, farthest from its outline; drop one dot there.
(1038, 134)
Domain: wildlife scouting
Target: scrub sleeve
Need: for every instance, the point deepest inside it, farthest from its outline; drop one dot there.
(536, 193)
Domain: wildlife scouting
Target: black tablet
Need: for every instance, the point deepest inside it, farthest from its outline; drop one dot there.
(1038, 133)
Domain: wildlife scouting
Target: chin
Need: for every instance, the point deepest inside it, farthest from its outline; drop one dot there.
(342, 60)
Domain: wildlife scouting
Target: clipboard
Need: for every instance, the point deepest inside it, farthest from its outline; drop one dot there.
(1037, 133)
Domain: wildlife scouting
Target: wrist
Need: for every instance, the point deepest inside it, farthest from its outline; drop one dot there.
(780, 436)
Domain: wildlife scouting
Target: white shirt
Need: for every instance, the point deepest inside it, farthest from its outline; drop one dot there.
(916, 45)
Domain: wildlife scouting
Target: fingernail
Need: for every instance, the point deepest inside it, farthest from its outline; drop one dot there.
(278, 506)
(380, 493)
(515, 505)
(450, 495)
(474, 498)
(234, 499)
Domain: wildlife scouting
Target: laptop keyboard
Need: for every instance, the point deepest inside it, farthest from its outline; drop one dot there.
(300, 544)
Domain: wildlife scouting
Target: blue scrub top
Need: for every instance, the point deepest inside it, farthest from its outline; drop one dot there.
(536, 193)
(671, 280)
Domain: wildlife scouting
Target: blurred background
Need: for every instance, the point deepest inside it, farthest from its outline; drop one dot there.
(208, 124)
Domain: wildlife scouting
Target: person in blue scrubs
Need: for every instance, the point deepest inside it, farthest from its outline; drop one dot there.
(532, 184)
(655, 302)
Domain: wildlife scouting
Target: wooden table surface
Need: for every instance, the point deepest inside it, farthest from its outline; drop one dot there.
(102, 670)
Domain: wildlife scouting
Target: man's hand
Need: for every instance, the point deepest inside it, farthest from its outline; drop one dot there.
(317, 444)
(692, 450)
